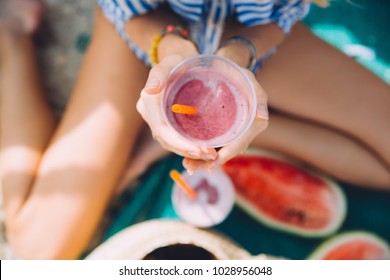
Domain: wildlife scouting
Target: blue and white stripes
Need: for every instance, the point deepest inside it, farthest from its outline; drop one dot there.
(206, 17)
(253, 12)
(190, 10)
(287, 12)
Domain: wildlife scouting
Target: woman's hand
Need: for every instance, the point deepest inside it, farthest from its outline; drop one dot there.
(195, 157)
(172, 50)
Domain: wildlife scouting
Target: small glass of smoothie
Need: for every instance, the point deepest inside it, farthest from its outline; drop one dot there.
(222, 95)
(214, 202)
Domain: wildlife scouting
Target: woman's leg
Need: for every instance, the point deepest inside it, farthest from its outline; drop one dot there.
(70, 181)
(309, 79)
(27, 122)
(329, 151)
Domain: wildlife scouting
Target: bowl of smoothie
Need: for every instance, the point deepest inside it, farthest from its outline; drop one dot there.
(220, 97)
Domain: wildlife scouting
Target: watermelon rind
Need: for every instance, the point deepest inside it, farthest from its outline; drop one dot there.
(335, 241)
(272, 223)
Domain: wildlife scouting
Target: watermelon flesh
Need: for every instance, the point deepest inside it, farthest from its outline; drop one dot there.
(356, 250)
(353, 246)
(284, 195)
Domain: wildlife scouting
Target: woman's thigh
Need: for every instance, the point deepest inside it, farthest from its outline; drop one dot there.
(328, 150)
(311, 79)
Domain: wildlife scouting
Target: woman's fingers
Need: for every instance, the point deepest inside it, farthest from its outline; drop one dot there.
(241, 145)
(149, 106)
(261, 96)
(228, 152)
(173, 141)
(191, 165)
(158, 75)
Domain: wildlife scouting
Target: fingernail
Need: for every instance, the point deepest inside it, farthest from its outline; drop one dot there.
(194, 154)
(211, 168)
(262, 112)
(190, 172)
(152, 84)
(207, 157)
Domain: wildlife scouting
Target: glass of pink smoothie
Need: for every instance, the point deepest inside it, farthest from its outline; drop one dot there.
(222, 94)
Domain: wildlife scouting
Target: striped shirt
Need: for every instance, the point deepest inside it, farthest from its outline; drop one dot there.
(206, 18)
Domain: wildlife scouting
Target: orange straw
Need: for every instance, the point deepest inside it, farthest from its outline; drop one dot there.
(180, 181)
(184, 109)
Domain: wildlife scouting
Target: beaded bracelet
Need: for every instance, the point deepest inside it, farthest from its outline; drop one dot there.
(248, 44)
(170, 29)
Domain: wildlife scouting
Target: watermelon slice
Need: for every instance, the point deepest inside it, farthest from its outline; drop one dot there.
(284, 195)
(359, 245)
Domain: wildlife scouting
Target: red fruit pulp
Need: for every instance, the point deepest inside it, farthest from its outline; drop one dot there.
(282, 191)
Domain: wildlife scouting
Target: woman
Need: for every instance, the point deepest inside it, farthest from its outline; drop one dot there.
(61, 177)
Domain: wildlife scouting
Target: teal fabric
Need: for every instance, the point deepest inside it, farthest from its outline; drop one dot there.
(369, 210)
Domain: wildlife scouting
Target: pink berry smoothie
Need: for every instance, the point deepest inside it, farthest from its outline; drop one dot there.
(223, 110)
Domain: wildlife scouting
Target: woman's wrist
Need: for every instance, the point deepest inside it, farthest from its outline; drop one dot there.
(263, 37)
(236, 52)
(173, 44)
